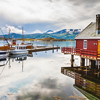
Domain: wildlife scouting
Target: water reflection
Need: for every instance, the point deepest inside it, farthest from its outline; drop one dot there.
(37, 76)
(40, 79)
(55, 43)
(3, 61)
(18, 58)
(86, 81)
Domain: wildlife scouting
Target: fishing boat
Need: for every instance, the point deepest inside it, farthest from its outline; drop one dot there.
(13, 42)
(19, 49)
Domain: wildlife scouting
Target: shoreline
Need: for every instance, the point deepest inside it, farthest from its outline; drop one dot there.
(43, 39)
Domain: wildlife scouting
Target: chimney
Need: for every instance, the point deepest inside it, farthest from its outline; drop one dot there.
(97, 24)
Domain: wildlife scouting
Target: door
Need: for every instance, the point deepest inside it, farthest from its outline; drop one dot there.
(98, 47)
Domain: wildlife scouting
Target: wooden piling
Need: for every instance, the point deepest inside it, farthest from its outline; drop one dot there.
(72, 60)
(93, 63)
(98, 64)
(89, 64)
(82, 63)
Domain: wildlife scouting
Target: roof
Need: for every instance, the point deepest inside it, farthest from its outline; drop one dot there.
(89, 32)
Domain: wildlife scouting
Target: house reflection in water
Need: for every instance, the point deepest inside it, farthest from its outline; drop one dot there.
(86, 81)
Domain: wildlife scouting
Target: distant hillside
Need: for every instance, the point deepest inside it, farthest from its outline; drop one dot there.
(51, 39)
(62, 34)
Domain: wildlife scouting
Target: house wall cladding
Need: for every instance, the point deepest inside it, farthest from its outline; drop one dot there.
(92, 44)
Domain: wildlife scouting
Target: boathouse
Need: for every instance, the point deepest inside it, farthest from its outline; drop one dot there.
(87, 43)
(87, 75)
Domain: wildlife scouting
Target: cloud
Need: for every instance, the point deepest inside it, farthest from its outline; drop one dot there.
(13, 29)
(37, 31)
(62, 13)
(44, 90)
(81, 2)
(25, 11)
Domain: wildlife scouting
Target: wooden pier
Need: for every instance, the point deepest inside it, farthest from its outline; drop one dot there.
(42, 48)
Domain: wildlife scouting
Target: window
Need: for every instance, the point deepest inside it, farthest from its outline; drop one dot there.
(85, 44)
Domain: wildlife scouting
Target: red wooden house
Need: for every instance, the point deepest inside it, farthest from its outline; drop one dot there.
(87, 75)
(87, 42)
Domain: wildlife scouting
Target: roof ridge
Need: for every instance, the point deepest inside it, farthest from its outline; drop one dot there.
(85, 29)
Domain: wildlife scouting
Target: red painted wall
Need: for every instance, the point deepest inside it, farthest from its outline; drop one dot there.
(90, 44)
(79, 44)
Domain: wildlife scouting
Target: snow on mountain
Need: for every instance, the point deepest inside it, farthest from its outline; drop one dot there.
(61, 34)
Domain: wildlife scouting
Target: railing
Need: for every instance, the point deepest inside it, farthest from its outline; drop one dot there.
(81, 52)
(70, 50)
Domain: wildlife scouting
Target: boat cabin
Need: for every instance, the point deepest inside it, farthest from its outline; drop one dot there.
(21, 47)
(28, 45)
(13, 42)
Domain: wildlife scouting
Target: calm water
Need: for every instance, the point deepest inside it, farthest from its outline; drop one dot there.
(38, 77)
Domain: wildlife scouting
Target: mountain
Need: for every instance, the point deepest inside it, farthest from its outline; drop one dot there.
(62, 34)
(61, 31)
(49, 31)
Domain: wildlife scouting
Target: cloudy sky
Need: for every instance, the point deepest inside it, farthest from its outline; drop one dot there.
(37, 16)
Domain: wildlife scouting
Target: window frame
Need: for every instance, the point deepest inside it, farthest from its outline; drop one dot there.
(85, 44)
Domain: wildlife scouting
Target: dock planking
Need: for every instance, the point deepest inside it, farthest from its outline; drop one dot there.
(42, 48)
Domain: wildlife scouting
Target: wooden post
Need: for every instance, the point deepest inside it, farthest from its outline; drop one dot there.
(86, 63)
(53, 45)
(57, 49)
(9, 63)
(53, 51)
(98, 64)
(98, 74)
(72, 60)
(22, 66)
(82, 63)
(86, 66)
(89, 64)
(92, 63)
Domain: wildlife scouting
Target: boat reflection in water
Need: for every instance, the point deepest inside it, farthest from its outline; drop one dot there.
(86, 81)
(19, 58)
(3, 63)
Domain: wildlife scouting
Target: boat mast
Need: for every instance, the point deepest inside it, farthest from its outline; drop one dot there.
(9, 33)
(22, 35)
(4, 37)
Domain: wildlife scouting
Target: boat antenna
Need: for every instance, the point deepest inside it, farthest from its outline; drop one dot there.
(4, 37)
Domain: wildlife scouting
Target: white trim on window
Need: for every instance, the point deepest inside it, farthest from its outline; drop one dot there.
(85, 44)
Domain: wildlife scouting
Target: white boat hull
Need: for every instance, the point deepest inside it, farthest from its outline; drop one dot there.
(3, 54)
(16, 52)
